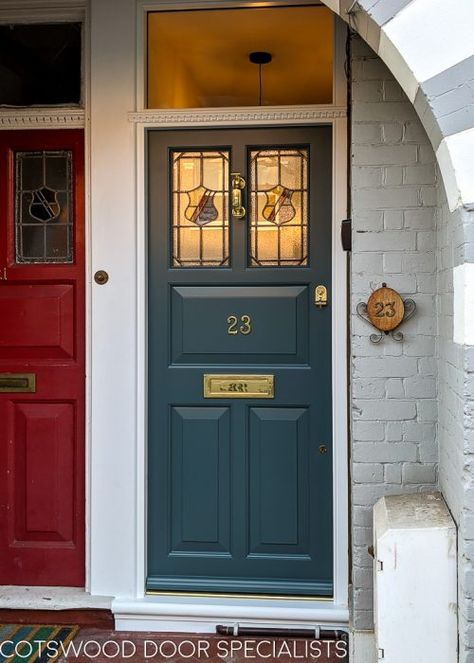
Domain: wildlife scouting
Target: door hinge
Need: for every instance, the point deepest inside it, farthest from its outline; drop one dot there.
(3, 274)
(381, 653)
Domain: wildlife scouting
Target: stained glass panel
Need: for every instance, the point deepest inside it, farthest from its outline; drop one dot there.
(200, 209)
(43, 207)
(278, 222)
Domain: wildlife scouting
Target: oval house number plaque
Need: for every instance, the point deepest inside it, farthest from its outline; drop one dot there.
(385, 309)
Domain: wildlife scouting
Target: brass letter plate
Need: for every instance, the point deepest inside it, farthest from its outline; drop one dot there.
(17, 383)
(239, 386)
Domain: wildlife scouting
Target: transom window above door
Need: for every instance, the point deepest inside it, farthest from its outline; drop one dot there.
(41, 64)
(202, 58)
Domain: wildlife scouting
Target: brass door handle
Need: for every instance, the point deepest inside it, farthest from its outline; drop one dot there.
(237, 186)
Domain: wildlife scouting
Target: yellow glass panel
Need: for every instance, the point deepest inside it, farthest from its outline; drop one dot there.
(199, 58)
(200, 200)
(278, 225)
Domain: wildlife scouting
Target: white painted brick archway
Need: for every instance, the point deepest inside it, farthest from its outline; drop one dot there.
(429, 47)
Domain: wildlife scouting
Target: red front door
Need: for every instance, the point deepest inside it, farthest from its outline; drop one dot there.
(42, 358)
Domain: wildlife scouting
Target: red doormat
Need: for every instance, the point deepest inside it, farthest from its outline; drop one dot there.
(92, 645)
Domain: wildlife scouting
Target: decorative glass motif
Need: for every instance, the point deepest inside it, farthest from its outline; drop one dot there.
(43, 207)
(200, 212)
(278, 222)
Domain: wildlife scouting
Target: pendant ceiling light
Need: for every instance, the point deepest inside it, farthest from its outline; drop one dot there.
(260, 58)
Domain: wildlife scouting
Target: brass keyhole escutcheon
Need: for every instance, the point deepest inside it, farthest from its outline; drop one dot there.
(323, 449)
(101, 277)
(320, 296)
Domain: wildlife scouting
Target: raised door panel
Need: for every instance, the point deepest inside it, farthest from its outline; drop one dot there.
(200, 480)
(42, 469)
(37, 321)
(279, 481)
(239, 324)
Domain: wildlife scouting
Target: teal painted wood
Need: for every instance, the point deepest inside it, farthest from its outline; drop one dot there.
(239, 497)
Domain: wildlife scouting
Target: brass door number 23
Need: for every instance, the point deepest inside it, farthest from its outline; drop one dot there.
(242, 325)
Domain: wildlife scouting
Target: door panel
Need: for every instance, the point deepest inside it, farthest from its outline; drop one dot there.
(42, 493)
(279, 461)
(42, 333)
(276, 328)
(239, 495)
(37, 321)
(200, 480)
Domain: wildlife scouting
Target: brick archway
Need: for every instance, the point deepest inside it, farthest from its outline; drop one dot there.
(429, 47)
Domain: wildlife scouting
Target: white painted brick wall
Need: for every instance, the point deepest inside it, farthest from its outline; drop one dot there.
(456, 439)
(394, 385)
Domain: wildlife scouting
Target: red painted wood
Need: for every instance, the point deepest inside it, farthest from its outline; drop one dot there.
(42, 327)
(21, 309)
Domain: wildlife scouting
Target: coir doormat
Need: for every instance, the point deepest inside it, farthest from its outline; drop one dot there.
(38, 643)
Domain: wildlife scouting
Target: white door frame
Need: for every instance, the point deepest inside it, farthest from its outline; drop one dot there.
(142, 612)
(115, 123)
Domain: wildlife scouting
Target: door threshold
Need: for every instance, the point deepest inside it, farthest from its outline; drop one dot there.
(241, 595)
(19, 597)
(201, 614)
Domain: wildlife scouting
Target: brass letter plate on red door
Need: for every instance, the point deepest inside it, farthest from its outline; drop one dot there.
(239, 386)
(17, 383)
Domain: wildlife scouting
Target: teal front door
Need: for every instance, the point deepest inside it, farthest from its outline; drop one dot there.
(240, 438)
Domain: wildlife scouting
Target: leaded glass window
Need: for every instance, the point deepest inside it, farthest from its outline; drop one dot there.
(43, 207)
(200, 209)
(278, 222)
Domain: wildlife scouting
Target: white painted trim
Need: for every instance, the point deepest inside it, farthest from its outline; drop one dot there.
(181, 614)
(157, 613)
(339, 368)
(248, 116)
(86, 95)
(42, 118)
(142, 366)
